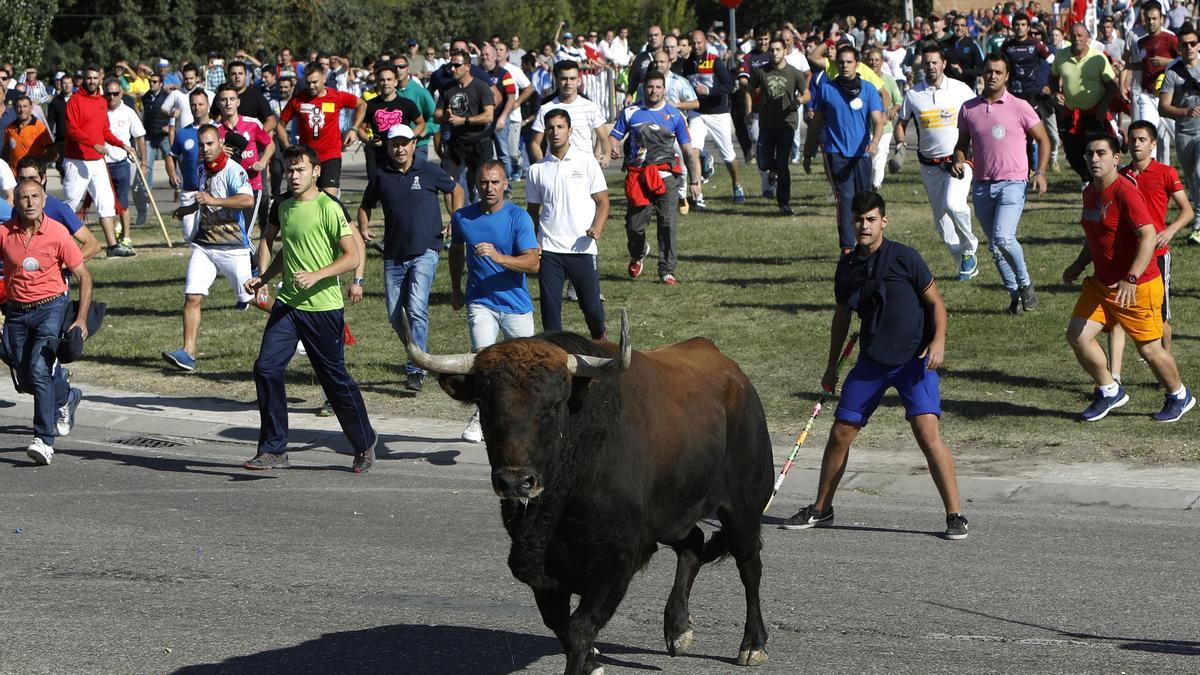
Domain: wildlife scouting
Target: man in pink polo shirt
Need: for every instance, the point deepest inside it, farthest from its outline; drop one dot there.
(34, 249)
(257, 141)
(1000, 125)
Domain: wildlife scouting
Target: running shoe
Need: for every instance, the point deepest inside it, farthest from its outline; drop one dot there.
(956, 526)
(786, 210)
(670, 280)
(473, 433)
(700, 204)
(707, 167)
(635, 264)
(969, 268)
(415, 382)
(363, 461)
(1028, 297)
(65, 419)
(1014, 307)
(1194, 238)
(808, 517)
(118, 251)
(739, 195)
(180, 359)
(326, 409)
(1102, 405)
(264, 461)
(1174, 408)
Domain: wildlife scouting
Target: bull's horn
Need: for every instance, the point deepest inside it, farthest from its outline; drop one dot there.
(448, 364)
(583, 365)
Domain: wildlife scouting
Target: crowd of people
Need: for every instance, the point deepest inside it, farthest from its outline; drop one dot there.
(996, 98)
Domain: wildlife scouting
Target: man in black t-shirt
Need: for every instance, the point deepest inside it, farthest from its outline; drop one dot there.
(251, 102)
(903, 329)
(466, 109)
(373, 118)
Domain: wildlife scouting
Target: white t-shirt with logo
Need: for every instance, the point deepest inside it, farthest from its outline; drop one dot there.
(564, 188)
(125, 125)
(585, 115)
(936, 111)
(522, 83)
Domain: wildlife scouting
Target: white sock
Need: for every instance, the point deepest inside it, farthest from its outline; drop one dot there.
(1180, 393)
(1110, 389)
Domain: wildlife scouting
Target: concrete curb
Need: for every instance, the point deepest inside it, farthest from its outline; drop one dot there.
(891, 472)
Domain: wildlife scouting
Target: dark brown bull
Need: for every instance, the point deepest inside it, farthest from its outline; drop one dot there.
(599, 454)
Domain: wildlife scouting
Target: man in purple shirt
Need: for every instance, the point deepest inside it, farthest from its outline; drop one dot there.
(999, 125)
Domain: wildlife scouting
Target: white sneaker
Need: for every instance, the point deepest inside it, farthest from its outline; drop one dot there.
(300, 349)
(473, 433)
(65, 419)
(39, 452)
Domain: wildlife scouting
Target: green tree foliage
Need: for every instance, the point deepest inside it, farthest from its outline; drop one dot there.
(23, 30)
(803, 13)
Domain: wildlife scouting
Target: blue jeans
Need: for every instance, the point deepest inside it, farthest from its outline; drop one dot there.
(406, 285)
(998, 205)
(507, 150)
(321, 334)
(154, 151)
(485, 324)
(850, 176)
(30, 338)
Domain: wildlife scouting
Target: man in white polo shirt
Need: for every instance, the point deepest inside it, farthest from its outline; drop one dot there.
(567, 197)
(934, 104)
(586, 116)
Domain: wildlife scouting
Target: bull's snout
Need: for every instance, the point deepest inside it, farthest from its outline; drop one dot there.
(516, 482)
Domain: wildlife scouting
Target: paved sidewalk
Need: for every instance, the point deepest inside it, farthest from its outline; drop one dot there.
(885, 472)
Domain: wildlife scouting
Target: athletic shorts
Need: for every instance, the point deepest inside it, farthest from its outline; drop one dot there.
(1164, 266)
(1143, 322)
(232, 263)
(720, 125)
(331, 173)
(89, 176)
(122, 179)
(918, 387)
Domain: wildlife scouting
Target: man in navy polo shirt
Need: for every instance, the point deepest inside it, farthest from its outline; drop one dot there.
(850, 111)
(408, 190)
(495, 240)
(903, 328)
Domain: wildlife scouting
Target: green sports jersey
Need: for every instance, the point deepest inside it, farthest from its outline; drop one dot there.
(310, 232)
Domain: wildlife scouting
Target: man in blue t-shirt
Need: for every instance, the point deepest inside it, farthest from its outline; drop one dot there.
(408, 190)
(653, 173)
(183, 163)
(496, 241)
(850, 112)
(33, 168)
(903, 337)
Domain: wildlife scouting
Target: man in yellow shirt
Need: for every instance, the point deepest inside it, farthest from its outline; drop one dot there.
(1086, 86)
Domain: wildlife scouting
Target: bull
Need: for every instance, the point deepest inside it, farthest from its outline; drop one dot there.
(599, 454)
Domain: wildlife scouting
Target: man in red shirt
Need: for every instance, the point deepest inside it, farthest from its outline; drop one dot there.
(34, 249)
(84, 171)
(1125, 289)
(319, 110)
(1150, 56)
(1158, 183)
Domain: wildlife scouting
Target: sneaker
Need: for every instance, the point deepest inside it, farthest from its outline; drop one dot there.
(769, 193)
(700, 204)
(969, 268)
(414, 381)
(66, 415)
(707, 167)
(670, 280)
(1028, 297)
(786, 210)
(39, 452)
(1102, 405)
(1174, 408)
(326, 409)
(739, 195)
(127, 243)
(363, 461)
(1014, 307)
(264, 461)
(118, 251)
(1194, 238)
(956, 526)
(474, 432)
(180, 359)
(237, 307)
(635, 264)
(808, 517)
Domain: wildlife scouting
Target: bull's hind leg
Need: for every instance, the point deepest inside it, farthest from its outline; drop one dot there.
(677, 622)
(742, 533)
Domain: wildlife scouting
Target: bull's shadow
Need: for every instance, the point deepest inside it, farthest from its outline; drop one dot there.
(413, 649)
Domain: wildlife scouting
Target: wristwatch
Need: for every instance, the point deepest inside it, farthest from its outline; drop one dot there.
(358, 281)
(1132, 278)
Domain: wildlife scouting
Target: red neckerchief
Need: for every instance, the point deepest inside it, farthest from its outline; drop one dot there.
(214, 168)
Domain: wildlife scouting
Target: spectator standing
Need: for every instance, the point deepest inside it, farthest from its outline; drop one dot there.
(214, 72)
(1179, 99)
(317, 111)
(407, 188)
(1030, 80)
(34, 251)
(1086, 88)
(178, 105)
(27, 136)
(128, 127)
(781, 90)
(999, 125)
(494, 239)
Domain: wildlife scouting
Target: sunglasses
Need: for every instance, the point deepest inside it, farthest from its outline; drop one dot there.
(401, 65)
(1189, 43)
(457, 65)
(155, 80)
(113, 94)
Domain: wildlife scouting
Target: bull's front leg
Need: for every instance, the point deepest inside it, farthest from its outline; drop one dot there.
(555, 607)
(596, 606)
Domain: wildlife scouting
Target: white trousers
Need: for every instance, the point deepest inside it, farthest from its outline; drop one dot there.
(1145, 107)
(951, 214)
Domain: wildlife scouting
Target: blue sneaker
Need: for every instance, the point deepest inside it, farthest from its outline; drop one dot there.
(969, 269)
(739, 195)
(1106, 404)
(1174, 408)
(180, 359)
(707, 167)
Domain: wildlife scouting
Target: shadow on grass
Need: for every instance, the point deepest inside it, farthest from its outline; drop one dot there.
(785, 307)
(142, 283)
(743, 282)
(1138, 644)
(145, 311)
(976, 410)
(1011, 379)
(420, 649)
(754, 260)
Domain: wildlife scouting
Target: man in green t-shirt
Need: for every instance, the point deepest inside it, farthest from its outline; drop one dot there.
(318, 245)
(783, 90)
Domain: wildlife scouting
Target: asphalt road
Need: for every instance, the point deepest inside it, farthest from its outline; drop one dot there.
(175, 560)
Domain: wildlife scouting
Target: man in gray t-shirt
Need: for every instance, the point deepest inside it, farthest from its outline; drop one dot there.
(1179, 99)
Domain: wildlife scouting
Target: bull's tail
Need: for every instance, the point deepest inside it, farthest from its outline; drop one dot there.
(716, 549)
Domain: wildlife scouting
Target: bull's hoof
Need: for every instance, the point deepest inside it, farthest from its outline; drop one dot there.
(752, 657)
(598, 670)
(680, 644)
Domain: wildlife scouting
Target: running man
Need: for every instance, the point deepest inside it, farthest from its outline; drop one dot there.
(903, 338)
(1179, 99)
(1125, 289)
(259, 146)
(318, 112)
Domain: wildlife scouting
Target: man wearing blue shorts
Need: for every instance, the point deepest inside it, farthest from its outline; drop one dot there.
(903, 337)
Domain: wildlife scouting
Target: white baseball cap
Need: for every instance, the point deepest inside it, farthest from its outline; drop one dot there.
(401, 131)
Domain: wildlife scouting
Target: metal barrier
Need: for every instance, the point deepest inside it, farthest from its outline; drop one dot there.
(600, 85)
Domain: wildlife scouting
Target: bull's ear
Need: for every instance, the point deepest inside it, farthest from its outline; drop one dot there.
(460, 387)
(579, 392)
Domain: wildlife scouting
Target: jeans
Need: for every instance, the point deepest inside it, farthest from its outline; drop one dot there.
(406, 285)
(1188, 148)
(485, 325)
(849, 176)
(582, 270)
(30, 338)
(998, 205)
(508, 149)
(1075, 144)
(154, 152)
(321, 334)
(774, 151)
(665, 207)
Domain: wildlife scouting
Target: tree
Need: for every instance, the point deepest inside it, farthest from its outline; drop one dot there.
(24, 40)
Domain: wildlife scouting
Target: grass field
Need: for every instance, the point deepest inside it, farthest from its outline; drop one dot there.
(760, 286)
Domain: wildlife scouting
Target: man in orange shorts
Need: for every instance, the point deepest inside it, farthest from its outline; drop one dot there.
(1126, 287)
